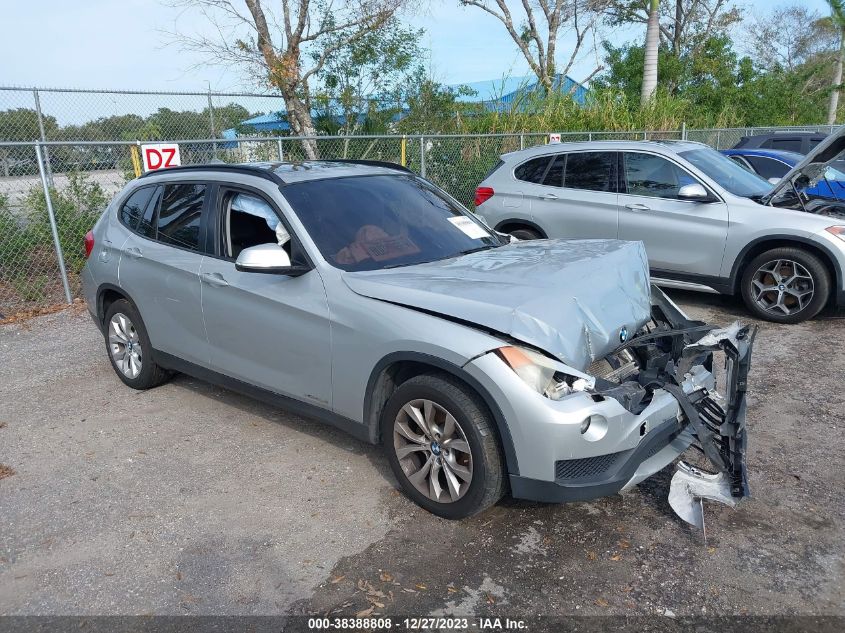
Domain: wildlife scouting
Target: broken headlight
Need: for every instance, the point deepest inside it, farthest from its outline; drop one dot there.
(544, 375)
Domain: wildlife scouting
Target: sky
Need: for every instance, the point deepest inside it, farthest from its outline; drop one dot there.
(123, 44)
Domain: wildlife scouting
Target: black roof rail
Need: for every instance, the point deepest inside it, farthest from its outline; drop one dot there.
(371, 163)
(251, 170)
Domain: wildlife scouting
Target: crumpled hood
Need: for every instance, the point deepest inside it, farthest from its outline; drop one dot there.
(571, 298)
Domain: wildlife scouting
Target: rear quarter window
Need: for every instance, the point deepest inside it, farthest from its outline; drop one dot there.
(132, 211)
(533, 170)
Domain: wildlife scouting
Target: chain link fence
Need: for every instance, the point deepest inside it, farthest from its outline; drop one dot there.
(74, 149)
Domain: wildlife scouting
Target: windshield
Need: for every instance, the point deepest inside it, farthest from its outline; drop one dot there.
(727, 173)
(376, 222)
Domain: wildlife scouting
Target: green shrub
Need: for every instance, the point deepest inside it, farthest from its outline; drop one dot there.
(76, 207)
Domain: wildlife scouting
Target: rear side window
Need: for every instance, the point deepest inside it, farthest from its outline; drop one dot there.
(593, 171)
(767, 167)
(180, 214)
(788, 144)
(554, 177)
(132, 211)
(533, 170)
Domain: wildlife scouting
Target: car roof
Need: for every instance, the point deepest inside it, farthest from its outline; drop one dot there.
(673, 146)
(287, 172)
(757, 139)
(793, 158)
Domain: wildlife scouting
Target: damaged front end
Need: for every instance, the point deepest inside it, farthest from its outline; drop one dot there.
(639, 408)
(669, 353)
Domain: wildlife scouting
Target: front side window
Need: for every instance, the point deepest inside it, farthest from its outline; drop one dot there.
(533, 170)
(376, 222)
(768, 167)
(726, 173)
(593, 171)
(654, 176)
(179, 215)
(251, 221)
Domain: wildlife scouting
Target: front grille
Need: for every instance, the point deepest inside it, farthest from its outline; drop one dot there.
(587, 467)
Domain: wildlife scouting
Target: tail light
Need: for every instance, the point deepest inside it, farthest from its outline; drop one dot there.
(482, 195)
(89, 243)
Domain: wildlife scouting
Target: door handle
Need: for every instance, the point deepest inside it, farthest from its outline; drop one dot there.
(134, 252)
(214, 279)
(548, 196)
(636, 206)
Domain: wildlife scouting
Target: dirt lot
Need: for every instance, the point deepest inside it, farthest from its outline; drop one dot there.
(190, 499)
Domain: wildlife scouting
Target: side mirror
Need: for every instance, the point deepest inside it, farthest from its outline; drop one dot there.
(693, 191)
(268, 258)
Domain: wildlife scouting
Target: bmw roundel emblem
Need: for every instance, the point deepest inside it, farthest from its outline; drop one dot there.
(623, 335)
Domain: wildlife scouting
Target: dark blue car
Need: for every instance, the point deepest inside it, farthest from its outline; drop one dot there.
(773, 164)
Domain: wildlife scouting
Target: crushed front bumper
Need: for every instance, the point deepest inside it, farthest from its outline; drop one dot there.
(674, 358)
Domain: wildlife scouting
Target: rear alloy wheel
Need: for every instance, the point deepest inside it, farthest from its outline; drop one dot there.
(129, 348)
(785, 285)
(442, 446)
(525, 234)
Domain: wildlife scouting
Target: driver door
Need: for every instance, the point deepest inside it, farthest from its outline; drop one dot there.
(680, 236)
(268, 330)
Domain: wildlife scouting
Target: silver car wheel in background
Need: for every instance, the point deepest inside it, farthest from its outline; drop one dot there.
(432, 450)
(782, 286)
(125, 345)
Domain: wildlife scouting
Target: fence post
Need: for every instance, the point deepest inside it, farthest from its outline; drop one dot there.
(683, 130)
(53, 228)
(46, 152)
(422, 156)
(718, 138)
(281, 151)
(211, 120)
(403, 147)
(522, 141)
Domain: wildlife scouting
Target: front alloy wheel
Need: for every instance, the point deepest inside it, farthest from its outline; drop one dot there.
(443, 446)
(433, 451)
(785, 285)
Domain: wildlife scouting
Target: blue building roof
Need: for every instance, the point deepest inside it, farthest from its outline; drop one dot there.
(500, 94)
(496, 95)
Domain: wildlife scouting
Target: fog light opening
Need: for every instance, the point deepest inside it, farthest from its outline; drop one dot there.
(594, 428)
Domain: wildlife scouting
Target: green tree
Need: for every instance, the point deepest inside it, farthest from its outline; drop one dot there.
(652, 44)
(366, 83)
(21, 124)
(837, 17)
(273, 40)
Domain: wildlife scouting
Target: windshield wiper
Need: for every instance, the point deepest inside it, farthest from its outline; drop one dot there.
(478, 248)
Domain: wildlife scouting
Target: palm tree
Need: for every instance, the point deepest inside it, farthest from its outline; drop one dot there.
(837, 17)
(652, 42)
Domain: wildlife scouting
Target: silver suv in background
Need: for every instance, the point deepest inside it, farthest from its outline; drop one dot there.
(707, 224)
(362, 295)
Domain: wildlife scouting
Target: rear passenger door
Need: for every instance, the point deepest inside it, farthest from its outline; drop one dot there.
(159, 268)
(577, 197)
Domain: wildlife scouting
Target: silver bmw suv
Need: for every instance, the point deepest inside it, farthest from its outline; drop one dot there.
(364, 296)
(707, 223)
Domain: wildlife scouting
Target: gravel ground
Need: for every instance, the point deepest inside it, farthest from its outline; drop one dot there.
(189, 499)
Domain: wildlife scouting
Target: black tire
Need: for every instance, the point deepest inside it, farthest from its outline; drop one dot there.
(488, 481)
(526, 234)
(820, 279)
(150, 375)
